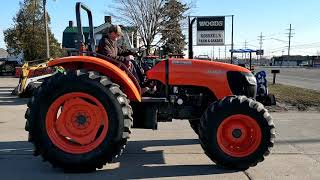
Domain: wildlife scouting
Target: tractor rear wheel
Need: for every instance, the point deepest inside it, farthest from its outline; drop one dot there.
(79, 120)
(237, 132)
(29, 90)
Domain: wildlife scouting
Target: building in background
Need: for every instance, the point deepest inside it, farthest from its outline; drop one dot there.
(293, 60)
(5, 56)
(316, 61)
(131, 38)
(8, 62)
(3, 53)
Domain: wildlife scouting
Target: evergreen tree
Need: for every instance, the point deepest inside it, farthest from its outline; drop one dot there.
(28, 35)
(173, 14)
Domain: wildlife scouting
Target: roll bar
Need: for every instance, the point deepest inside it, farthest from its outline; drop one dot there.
(81, 40)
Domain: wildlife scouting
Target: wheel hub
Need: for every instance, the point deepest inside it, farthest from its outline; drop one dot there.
(236, 133)
(81, 120)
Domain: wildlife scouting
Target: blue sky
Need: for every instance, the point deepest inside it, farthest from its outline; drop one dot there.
(271, 17)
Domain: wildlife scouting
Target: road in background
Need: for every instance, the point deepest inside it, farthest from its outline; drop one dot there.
(172, 152)
(299, 77)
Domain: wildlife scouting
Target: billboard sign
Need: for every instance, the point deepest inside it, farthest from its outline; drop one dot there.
(211, 31)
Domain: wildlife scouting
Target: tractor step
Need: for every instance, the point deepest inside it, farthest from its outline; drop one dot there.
(154, 100)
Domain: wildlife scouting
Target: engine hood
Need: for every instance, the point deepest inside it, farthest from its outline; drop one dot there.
(212, 64)
(193, 72)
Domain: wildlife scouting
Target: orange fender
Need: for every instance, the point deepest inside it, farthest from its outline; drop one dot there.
(103, 67)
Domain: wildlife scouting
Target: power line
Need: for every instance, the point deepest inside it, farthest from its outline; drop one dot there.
(314, 44)
(279, 40)
(253, 45)
(274, 34)
(294, 48)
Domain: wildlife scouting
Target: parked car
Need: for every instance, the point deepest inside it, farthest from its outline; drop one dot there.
(7, 67)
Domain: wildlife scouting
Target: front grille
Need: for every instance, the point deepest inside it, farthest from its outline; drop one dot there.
(239, 85)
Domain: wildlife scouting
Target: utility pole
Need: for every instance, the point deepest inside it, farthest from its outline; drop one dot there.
(245, 47)
(212, 53)
(260, 42)
(219, 53)
(225, 53)
(232, 41)
(46, 27)
(290, 36)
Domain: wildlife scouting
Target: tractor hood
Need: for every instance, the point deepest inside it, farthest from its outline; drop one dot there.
(205, 64)
(192, 72)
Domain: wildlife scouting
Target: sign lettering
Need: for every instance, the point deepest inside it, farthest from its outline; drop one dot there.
(210, 30)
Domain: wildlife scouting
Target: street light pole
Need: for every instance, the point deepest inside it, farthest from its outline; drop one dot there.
(46, 27)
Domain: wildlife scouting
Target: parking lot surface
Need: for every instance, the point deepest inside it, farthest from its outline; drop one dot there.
(172, 152)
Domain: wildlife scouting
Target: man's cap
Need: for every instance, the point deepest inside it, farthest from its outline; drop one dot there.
(116, 29)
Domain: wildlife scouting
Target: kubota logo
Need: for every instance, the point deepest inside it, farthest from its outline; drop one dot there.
(215, 71)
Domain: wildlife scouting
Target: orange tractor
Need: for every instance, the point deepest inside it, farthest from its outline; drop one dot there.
(80, 119)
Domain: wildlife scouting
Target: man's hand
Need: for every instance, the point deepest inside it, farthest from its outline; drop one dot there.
(129, 58)
(128, 62)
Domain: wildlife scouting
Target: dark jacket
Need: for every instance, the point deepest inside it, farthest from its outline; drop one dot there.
(110, 49)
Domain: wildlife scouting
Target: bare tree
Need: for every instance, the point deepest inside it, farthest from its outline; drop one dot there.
(145, 15)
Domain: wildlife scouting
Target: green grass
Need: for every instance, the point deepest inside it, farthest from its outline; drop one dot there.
(295, 96)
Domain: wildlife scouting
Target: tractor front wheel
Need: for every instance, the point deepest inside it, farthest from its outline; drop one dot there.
(79, 120)
(236, 132)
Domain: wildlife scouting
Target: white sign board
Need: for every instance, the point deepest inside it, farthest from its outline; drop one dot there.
(210, 31)
(210, 38)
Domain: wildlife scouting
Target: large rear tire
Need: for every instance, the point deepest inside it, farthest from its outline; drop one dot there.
(237, 132)
(79, 120)
(28, 92)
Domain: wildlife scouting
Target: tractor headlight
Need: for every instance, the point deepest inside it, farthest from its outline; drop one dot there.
(251, 79)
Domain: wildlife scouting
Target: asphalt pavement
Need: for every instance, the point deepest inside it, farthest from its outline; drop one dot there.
(172, 152)
(299, 77)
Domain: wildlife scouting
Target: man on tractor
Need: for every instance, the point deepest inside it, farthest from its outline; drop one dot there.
(108, 47)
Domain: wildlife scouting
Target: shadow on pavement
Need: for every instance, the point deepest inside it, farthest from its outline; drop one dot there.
(15, 147)
(6, 88)
(7, 99)
(12, 101)
(298, 141)
(5, 91)
(16, 161)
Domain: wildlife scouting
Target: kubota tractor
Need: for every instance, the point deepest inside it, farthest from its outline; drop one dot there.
(80, 119)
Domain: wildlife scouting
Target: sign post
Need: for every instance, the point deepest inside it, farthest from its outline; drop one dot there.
(190, 23)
